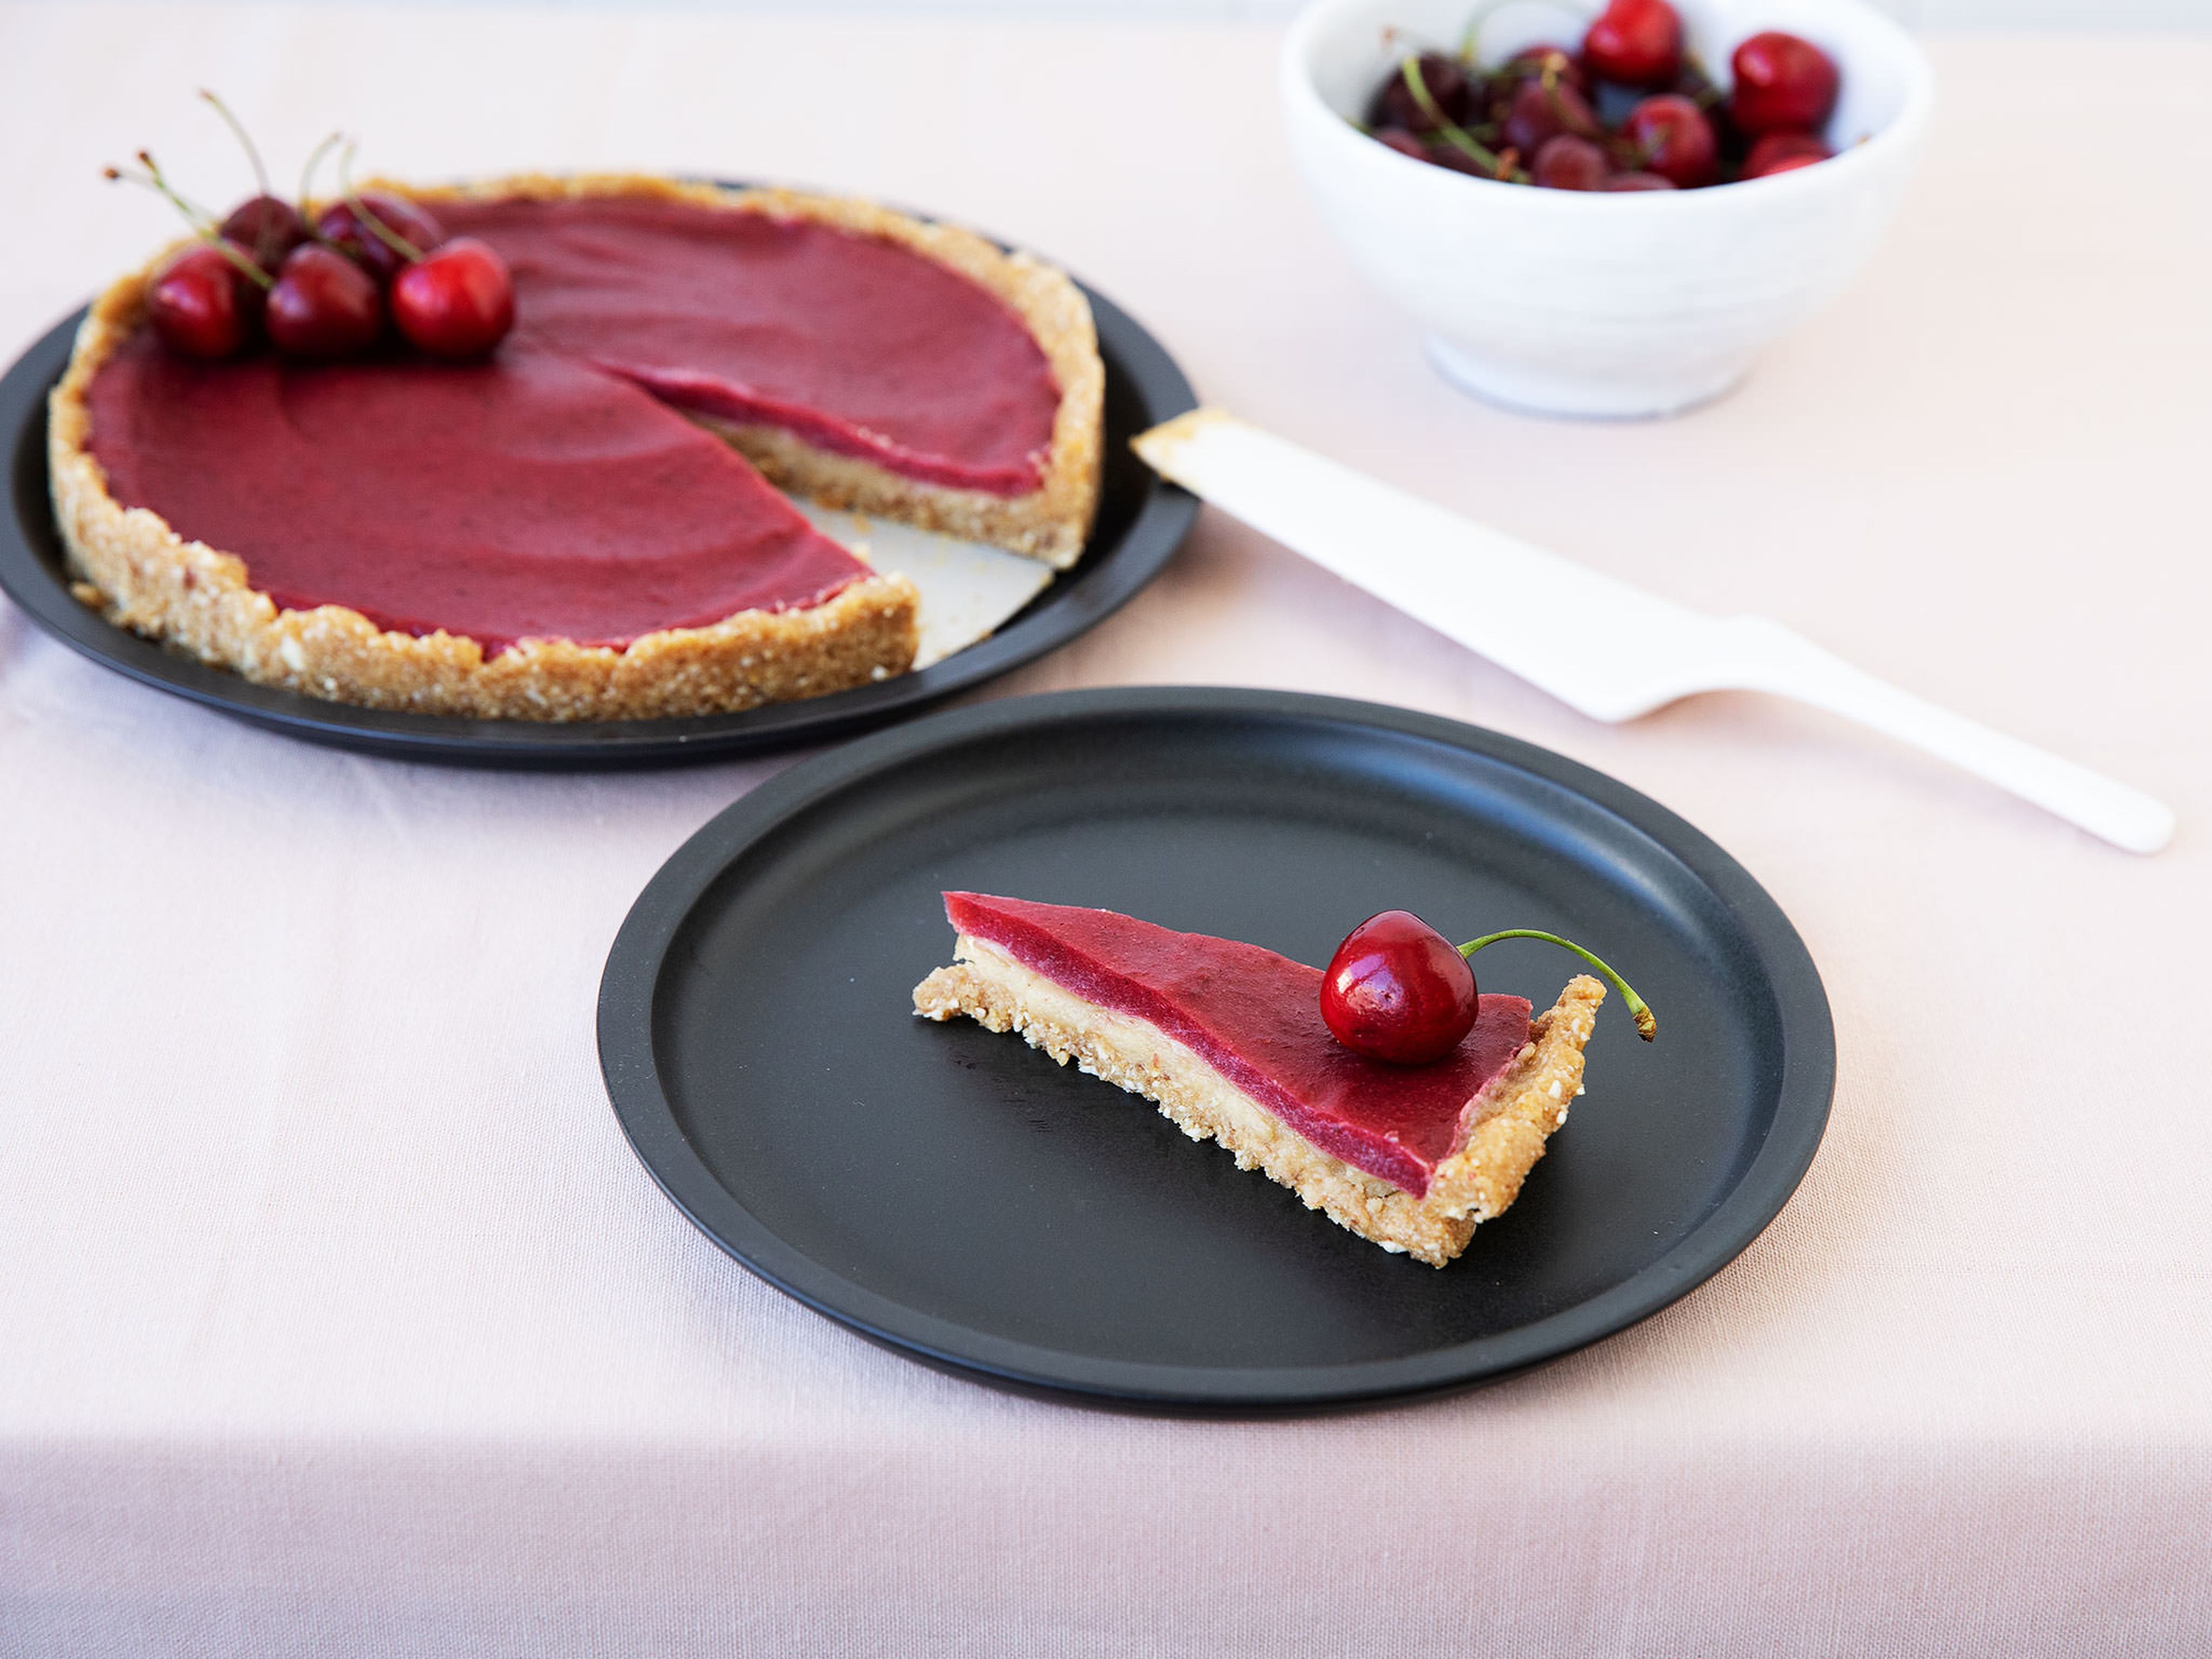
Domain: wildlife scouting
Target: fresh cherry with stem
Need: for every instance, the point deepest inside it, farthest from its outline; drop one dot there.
(456, 301)
(324, 305)
(265, 225)
(1669, 135)
(1487, 160)
(1783, 152)
(198, 304)
(1398, 990)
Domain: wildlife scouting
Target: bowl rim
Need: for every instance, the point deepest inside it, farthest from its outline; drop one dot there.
(1302, 99)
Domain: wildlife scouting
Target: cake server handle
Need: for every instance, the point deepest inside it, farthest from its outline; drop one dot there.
(1628, 652)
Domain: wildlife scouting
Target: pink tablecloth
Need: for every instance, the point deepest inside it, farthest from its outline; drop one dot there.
(336, 1316)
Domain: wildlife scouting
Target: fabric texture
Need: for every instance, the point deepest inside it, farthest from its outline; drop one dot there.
(335, 1315)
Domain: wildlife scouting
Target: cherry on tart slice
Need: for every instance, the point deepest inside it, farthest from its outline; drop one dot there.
(1397, 990)
(323, 306)
(1635, 43)
(455, 302)
(1784, 83)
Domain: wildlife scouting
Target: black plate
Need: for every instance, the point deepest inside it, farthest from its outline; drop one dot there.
(1142, 520)
(954, 1194)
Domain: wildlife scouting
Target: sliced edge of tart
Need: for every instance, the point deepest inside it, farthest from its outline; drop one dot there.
(1503, 1128)
(1051, 523)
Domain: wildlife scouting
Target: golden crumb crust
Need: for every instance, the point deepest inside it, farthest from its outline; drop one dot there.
(140, 573)
(1505, 1127)
(1050, 523)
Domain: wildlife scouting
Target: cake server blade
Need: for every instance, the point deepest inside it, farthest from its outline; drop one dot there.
(1601, 646)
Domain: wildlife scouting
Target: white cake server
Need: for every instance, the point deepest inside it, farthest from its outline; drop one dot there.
(1621, 652)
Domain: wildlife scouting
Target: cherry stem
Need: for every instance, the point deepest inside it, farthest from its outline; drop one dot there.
(253, 154)
(307, 172)
(1647, 1025)
(1455, 134)
(392, 239)
(201, 224)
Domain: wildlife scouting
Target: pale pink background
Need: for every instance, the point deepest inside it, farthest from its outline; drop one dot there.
(335, 1314)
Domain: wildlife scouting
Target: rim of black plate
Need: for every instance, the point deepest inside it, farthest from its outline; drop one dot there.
(629, 988)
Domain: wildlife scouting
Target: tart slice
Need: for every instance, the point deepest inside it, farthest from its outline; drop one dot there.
(1228, 1040)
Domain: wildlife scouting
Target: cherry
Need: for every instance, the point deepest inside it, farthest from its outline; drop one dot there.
(1782, 84)
(1671, 136)
(202, 305)
(1397, 104)
(1532, 62)
(1637, 181)
(1398, 990)
(340, 226)
(324, 305)
(267, 227)
(1637, 43)
(1782, 152)
(1567, 162)
(1540, 114)
(1403, 141)
(456, 301)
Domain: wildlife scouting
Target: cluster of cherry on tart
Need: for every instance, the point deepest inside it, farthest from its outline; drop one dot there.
(1387, 1091)
(589, 516)
(1629, 110)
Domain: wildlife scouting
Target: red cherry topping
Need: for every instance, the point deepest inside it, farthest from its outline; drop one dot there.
(1400, 991)
(1397, 990)
(1782, 84)
(340, 226)
(1672, 137)
(324, 305)
(196, 306)
(458, 301)
(267, 227)
(1567, 162)
(1781, 152)
(1635, 43)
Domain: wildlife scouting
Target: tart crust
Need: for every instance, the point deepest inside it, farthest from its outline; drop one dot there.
(141, 574)
(1505, 1127)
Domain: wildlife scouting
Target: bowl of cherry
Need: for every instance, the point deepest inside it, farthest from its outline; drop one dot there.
(1606, 211)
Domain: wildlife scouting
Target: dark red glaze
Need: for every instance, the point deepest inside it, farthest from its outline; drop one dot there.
(1255, 1017)
(1669, 135)
(1781, 152)
(1784, 83)
(457, 302)
(195, 305)
(1537, 113)
(1567, 162)
(1398, 990)
(268, 227)
(1635, 181)
(1446, 82)
(1635, 43)
(528, 496)
(323, 306)
(852, 343)
(413, 224)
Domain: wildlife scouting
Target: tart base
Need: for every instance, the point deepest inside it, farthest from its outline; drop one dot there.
(1505, 1127)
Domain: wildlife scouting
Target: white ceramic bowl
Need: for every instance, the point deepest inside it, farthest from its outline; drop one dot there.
(1574, 303)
